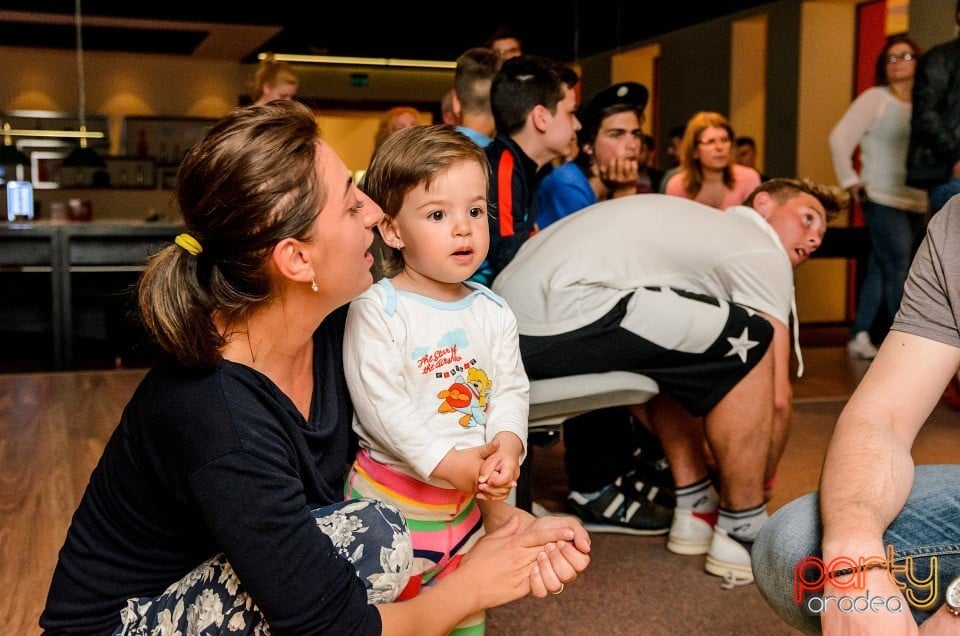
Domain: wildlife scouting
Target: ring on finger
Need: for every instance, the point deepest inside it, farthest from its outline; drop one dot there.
(560, 590)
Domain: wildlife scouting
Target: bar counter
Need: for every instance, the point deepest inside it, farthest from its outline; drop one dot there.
(65, 248)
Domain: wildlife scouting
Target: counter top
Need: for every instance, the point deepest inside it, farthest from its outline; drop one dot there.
(111, 226)
(61, 249)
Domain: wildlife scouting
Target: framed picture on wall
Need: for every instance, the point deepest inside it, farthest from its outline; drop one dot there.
(45, 168)
(46, 160)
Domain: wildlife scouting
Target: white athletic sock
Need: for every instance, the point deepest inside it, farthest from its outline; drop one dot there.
(699, 497)
(743, 524)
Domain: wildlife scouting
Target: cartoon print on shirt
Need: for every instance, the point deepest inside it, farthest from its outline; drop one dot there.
(468, 397)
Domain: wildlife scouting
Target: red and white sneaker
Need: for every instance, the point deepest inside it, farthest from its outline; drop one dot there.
(691, 532)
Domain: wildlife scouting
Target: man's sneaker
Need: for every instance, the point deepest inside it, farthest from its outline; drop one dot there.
(653, 482)
(730, 559)
(691, 532)
(616, 509)
(860, 347)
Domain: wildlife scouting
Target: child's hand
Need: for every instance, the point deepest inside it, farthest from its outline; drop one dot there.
(497, 485)
(500, 471)
(462, 468)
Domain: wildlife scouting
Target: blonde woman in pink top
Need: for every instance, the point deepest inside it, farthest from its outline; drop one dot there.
(708, 173)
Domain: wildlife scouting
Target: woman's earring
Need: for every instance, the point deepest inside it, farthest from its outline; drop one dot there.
(313, 285)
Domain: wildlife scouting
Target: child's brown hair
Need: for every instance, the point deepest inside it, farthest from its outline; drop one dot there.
(406, 159)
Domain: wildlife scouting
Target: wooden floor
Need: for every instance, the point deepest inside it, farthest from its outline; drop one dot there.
(53, 427)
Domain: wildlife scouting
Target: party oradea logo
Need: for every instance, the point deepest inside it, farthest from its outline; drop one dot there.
(848, 575)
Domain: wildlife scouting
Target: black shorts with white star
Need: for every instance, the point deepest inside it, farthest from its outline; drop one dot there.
(696, 347)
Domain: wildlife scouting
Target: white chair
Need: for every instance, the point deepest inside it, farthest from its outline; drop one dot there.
(554, 400)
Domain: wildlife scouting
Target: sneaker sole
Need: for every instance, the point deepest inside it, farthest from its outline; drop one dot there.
(689, 548)
(605, 528)
(717, 567)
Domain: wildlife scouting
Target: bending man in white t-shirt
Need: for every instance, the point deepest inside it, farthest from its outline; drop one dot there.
(692, 298)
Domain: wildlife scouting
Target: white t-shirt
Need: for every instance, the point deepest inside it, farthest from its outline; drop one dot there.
(879, 123)
(574, 271)
(427, 376)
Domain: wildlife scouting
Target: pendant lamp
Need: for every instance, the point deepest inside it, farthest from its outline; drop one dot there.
(82, 156)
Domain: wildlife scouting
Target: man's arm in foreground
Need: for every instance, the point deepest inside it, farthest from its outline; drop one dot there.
(868, 470)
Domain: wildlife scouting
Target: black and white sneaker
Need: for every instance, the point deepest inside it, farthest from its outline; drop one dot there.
(653, 482)
(651, 471)
(619, 509)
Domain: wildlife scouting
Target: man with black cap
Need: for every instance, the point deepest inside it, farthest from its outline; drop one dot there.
(610, 140)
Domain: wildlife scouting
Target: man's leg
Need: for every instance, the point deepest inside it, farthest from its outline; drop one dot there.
(790, 535)
(715, 360)
(739, 430)
(682, 437)
(696, 347)
(683, 440)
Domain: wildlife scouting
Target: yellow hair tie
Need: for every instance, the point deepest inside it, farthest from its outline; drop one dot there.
(190, 244)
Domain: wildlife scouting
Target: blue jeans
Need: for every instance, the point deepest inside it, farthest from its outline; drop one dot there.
(941, 193)
(928, 525)
(894, 234)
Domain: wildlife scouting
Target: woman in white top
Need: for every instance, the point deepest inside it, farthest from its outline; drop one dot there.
(878, 121)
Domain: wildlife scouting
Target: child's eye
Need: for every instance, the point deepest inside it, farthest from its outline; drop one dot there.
(476, 213)
(357, 207)
(436, 215)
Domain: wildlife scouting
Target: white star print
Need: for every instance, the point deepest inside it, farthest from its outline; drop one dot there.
(740, 345)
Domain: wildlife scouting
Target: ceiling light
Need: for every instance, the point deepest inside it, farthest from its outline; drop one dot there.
(82, 156)
(54, 134)
(357, 61)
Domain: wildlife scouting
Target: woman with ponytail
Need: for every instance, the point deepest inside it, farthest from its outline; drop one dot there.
(217, 505)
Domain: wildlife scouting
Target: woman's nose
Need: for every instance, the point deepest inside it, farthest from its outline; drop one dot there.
(373, 212)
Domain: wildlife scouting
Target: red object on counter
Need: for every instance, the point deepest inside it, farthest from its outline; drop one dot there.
(79, 210)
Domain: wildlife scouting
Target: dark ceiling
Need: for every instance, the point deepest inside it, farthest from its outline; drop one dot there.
(563, 29)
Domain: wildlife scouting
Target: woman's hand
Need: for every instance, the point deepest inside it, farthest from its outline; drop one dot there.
(560, 562)
(575, 553)
(501, 565)
(504, 565)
